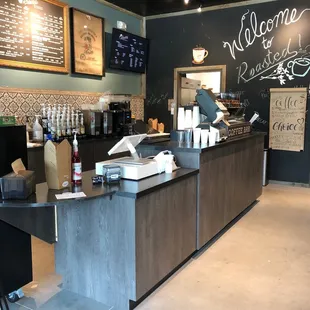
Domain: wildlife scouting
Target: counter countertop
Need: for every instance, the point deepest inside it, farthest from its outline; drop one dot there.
(131, 189)
(33, 146)
(196, 148)
(150, 139)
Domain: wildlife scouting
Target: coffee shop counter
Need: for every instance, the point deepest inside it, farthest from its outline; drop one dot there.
(114, 245)
(229, 181)
(91, 150)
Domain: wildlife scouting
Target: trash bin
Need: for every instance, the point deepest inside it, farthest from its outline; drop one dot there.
(265, 180)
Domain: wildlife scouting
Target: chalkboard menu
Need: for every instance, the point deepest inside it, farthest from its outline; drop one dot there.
(287, 119)
(128, 51)
(34, 34)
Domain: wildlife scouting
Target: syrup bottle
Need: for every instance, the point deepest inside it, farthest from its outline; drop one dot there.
(76, 164)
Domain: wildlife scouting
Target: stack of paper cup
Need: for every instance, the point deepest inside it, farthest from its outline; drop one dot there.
(212, 137)
(169, 163)
(181, 119)
(196, 116)
(188, 119)
(197, 133)
(204, 136)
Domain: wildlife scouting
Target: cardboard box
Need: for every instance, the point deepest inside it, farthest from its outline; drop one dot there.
(57, 159)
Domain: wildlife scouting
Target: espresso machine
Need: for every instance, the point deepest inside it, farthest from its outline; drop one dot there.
(117, 120)
(92, 122)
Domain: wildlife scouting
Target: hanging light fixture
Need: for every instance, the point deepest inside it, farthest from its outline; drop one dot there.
(186, 2)
(199, 9)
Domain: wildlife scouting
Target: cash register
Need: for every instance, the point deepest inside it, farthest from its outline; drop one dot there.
(132, 167)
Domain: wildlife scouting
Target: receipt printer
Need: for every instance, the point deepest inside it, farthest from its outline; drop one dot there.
(111, 173)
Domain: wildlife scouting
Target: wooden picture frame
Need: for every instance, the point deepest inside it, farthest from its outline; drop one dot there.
(48, 49)
(87, 43)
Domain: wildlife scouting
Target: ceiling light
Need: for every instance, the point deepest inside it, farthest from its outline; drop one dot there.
(199, 9)
(186, 1)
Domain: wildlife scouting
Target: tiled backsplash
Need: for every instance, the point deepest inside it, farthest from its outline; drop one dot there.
(22, 102)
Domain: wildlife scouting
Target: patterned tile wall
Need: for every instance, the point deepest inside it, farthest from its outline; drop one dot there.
(22, 102)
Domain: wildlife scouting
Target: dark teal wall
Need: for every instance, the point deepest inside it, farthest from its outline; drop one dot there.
(172, 40)
(114, 81)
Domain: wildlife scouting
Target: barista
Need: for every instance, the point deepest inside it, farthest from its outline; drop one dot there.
(208, 107)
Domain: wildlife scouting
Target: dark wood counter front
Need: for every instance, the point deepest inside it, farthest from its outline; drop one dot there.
(114, 245)
(230, 181)
(230, 178)
(121, 241)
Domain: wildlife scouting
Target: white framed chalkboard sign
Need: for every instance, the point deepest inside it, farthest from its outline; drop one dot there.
(34, 35)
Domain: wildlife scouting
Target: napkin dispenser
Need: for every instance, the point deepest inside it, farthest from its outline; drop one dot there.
(19, 184)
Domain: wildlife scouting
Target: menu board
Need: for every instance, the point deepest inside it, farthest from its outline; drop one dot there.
(33, 34)
(287, 118)
(128, 51)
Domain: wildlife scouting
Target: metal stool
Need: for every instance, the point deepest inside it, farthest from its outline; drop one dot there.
(3, 302)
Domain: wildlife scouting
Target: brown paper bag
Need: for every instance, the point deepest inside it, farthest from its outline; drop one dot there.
(161, 127)
(57, 159)
(153, 123)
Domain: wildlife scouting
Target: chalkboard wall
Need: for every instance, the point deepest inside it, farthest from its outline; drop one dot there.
(264, 46)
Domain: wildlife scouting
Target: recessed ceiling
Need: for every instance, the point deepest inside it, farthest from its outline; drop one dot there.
(155, 7)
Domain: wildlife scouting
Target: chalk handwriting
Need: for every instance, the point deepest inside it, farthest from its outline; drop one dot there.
(267, 43)
(246, 103)
(248, 34)
(286, 64)
(280, 126)
(286, 104)
(262, 121)
(265, 93)
(297, 67)
(157, 100)
(270, 61)
(240, 93)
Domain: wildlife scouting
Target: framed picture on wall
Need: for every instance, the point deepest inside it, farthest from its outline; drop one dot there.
(87, 43)
(26, 40)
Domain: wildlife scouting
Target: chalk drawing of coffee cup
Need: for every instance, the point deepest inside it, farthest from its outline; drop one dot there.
(199, 55)
(300, 66)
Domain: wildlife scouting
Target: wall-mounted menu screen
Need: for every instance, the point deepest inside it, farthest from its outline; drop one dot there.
(128, 51)
(34, 34)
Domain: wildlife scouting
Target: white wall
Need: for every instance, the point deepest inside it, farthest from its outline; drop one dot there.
(210, 79)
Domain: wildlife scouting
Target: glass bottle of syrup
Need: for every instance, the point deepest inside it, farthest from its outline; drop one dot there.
(76, 164)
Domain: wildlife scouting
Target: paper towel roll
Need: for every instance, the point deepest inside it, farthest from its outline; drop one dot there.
(181, 119)
(196, 116)
(188, 119)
